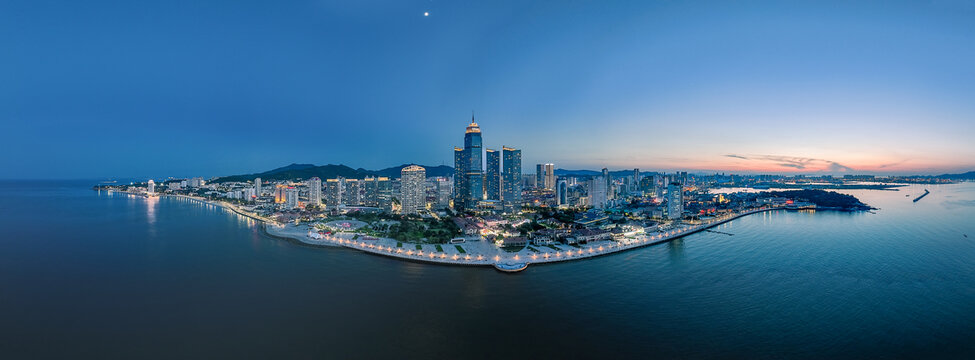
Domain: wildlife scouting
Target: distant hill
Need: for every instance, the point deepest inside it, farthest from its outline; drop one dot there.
(963, 176)
(614, 173)
(432, 171)
(330, 171)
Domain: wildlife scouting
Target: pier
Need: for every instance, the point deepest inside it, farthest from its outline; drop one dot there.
(926, 192)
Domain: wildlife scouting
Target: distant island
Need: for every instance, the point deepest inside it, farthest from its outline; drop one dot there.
(824, 200)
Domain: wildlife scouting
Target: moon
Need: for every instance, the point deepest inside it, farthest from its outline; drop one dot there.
(426, 13)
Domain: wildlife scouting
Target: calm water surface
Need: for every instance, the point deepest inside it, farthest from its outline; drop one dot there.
(87, 274)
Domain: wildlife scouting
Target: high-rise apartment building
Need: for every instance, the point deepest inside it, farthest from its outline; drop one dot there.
(545, 176)
(444, 189)
(291, 197)
(385, 193)
(257, 187)
(352, 192)
(370, 192)
(492, 175)
(468, 173)
(597, 192)
(333, 193)
(675, 201)
(151, 187)
(315, 191)
(413, 189)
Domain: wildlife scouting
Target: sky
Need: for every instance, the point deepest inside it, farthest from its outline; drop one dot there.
(110, 89)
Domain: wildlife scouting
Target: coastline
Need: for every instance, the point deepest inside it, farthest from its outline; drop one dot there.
(473, 253)
(481, 253)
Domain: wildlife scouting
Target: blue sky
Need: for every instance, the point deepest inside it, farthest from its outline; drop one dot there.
(183, 88)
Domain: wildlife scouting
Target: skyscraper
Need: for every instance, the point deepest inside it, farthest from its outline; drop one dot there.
(511, 179)
(561, 193)
(315, 191)
(151, 187)
(492, 176)
(539, 176)
(609, 183)
(468, 173)
(675, 201)
(257, 187)
(413, 189)
(443, 192)
(545, 176)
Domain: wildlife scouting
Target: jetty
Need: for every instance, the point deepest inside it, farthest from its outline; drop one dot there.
(926, 192)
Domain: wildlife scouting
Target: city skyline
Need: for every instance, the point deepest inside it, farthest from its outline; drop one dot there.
(836, 87)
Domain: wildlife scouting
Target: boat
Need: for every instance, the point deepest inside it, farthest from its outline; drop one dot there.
(510, 268)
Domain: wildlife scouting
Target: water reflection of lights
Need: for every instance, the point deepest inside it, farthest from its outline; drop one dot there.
(151, 203)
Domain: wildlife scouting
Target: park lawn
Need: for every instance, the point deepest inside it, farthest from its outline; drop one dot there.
(419, 247)
(512, 249)
(533, 249)
(399, 244)
(553, 247)
(355, 237)
(575, 246)
(460, 249)
(439, 248)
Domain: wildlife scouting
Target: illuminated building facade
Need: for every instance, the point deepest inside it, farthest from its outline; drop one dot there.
(545, 176)
(492, 175)
(315, 191)
(468, 173)
(511, 179)
(675, 201)
(413, 189)
(333, 193)
(279, 194)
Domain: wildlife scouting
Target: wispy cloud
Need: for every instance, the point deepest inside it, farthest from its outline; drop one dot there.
(736, 156)
(795, 162)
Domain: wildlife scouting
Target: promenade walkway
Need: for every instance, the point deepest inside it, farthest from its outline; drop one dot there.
(483, 253)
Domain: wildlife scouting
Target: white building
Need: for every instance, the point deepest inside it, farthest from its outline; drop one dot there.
(315, 191)
(195, 182)
(414, 196)
(291, 198)
(257, 186)
(597, 192)
(151, 188)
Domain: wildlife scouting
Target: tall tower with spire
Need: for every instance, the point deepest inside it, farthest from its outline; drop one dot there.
(469, 170)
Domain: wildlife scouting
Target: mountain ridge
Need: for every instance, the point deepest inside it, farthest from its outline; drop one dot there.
(329, 171)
